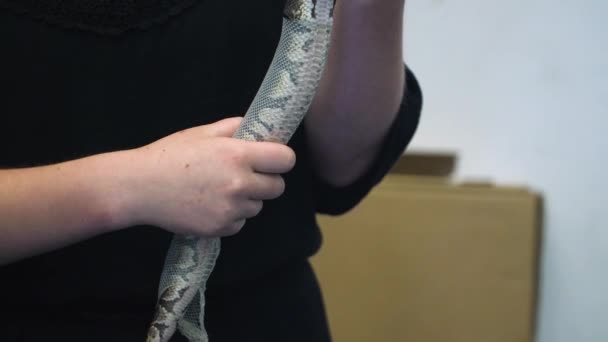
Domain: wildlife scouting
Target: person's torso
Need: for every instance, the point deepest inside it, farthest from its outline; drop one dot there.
(69, 93)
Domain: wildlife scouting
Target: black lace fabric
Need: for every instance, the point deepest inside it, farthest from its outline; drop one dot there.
(102, 16)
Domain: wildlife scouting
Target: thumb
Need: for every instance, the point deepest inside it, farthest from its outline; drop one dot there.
(223, 128)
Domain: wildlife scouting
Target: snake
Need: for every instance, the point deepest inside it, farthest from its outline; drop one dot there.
(275, 113)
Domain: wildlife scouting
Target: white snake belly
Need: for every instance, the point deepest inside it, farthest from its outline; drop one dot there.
(276, 112)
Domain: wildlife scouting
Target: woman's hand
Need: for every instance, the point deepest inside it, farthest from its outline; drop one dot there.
(201, 181)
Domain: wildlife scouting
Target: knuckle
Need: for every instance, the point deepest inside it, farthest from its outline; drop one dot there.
(229, 152)
(239, 153)
(236, 185)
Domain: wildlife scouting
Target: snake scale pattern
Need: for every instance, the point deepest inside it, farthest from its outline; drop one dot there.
(274, 115)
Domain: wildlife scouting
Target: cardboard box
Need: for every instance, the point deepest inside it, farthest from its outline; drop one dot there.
(422, 260)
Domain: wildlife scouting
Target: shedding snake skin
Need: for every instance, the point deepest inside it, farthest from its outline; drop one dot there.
(276, 112)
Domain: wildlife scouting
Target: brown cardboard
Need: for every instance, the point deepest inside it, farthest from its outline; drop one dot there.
(422, 260)
(439, 164)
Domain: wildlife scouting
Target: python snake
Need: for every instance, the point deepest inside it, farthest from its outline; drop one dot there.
(274, 115)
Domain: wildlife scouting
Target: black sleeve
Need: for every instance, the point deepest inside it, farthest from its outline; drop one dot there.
(335, 201)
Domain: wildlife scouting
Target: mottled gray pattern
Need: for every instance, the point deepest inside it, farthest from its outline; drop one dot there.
(275, 114)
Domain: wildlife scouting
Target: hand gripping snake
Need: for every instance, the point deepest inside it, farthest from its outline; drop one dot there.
(274, 115)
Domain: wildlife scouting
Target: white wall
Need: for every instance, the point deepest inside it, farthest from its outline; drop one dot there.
(519, 89)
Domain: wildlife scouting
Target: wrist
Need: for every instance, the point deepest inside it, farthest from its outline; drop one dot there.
(113, 190)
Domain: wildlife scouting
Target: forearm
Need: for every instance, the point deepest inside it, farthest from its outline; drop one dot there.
(46, 208)
(361, 90)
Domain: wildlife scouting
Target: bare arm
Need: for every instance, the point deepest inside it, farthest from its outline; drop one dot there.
(198, 181)
(49, 207)
(361, 90)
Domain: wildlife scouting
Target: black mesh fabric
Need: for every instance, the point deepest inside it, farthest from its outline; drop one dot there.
(102, 16)
(69, 93)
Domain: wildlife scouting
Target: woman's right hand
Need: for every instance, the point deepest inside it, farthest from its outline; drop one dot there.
(201, 181)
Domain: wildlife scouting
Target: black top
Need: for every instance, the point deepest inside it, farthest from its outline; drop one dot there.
(100, 76)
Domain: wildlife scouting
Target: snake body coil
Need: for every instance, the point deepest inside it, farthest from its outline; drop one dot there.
(276, 112)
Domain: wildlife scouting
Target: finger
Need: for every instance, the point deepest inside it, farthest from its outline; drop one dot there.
(233, 228)
(266, 187)
(223, 128)
(252, 208)
(247, 209)
(267, 157)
